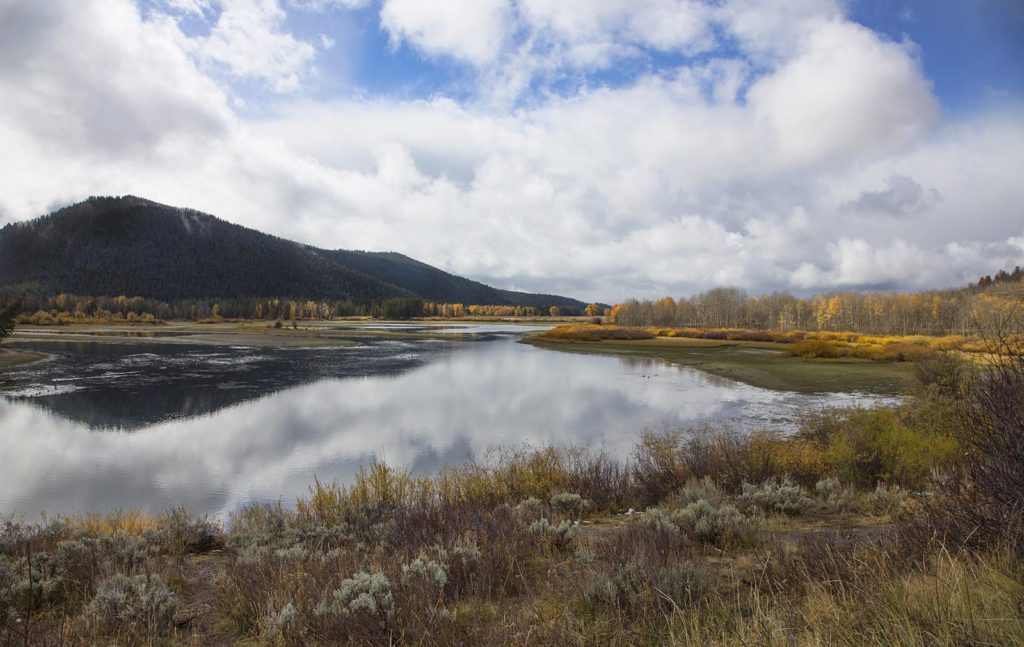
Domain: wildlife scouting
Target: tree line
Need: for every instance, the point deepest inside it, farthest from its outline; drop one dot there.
(935, 312)
(70, 308)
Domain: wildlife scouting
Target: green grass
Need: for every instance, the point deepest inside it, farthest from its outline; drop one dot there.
(760, 364)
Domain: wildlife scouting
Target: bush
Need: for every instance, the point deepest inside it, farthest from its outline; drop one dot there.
(696, 490)
(636, 588)
(942, 374)
(835, 495)
(554, 536)
(797, 458)
(775, 496)
(887, 499)
(717, 525)
(590, 332)
(140, 605)
(184, 534)
(361, 606)
(816, 349)
(864, 446)
(569, 504)
(981, 502)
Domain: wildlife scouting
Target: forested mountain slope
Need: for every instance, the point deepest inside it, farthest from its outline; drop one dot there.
(136, 247)
(437, 285)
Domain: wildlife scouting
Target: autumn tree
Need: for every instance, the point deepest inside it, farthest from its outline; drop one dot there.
(592, 310)
(554, 311)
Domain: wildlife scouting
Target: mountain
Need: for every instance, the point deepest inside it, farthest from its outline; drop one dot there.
(136, 247)
(437, 285)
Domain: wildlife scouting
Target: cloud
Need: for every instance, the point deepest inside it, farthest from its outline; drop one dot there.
(473, 31)
(247, 42)
(859, 264)
(326, 5)
(742, 165)
(903, 196)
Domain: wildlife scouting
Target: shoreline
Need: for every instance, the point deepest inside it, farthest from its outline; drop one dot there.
(759, 364)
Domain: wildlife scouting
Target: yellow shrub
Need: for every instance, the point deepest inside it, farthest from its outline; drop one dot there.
(798, 458)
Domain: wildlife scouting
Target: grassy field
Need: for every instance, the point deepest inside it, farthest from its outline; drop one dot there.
(761, 364)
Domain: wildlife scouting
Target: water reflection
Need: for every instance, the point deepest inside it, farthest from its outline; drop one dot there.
(290, 415)
(127, 387)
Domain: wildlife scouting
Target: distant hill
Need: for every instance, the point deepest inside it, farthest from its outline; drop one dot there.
(437, 285)
(136, 247)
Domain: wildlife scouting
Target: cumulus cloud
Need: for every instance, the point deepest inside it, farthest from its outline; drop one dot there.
(903, 196)
(469, 30)
(749, 165)
(247, 42)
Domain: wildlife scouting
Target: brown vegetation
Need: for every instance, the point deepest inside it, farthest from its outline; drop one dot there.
(593, 332)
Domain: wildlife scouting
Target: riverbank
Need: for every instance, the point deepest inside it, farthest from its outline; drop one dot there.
(761, 364)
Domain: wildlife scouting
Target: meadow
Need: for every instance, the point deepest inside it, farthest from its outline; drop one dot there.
(767, 359)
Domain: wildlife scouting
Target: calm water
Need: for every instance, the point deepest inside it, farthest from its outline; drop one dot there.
(104, 426)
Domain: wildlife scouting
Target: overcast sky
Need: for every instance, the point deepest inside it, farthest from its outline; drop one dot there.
(595, 148)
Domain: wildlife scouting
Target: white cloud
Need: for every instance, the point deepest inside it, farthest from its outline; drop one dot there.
(730, 169)
(248, 42)
(473, 31)
(325, 5)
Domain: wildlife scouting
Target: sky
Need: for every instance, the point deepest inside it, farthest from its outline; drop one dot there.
(599, 149)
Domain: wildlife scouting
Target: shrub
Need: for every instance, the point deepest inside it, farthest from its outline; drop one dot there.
(362, 605)
(798, 458)
(426, 570)
(635, 588)
(887, 499)
(554, 536)
(569, 504)
(182, 533)
(622, 590)
(593, 333)
(682, 585)
(943, 374)
(863, 446)
(138, 605)
(981, 502)
(775, 496)
(717, 525)
(816, 349)
(835, 495)
(696, 490)
(279, 625)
